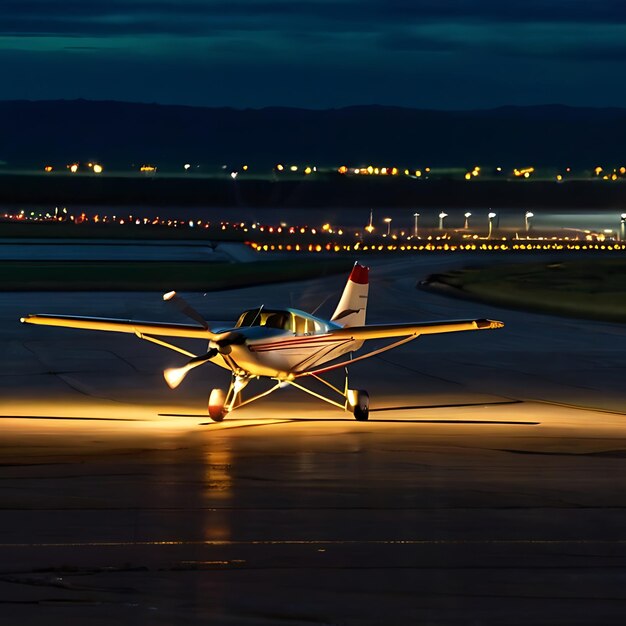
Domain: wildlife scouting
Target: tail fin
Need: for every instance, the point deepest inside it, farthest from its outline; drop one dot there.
(351, 308)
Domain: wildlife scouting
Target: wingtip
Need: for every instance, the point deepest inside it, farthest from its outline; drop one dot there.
(489, 324)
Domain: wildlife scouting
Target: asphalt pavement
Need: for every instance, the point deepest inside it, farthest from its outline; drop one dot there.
(488, 486)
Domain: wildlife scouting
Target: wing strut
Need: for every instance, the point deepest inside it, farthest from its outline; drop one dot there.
(390, 346)
(165, 344)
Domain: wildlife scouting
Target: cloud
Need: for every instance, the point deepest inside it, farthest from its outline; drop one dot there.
(346, 51)
(203, 17)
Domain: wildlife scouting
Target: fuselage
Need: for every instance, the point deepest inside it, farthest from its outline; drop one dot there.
(282, 343)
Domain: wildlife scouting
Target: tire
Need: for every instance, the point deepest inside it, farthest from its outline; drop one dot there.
(361, 409)
(216, 405)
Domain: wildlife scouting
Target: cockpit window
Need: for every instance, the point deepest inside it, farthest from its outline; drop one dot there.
(271, 319)
(283, 320)
(276, 320)
(248, 319)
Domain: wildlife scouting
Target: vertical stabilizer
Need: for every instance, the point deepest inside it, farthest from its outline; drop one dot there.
(351, 308)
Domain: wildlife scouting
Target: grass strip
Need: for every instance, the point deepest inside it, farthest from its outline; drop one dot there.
(594, 289)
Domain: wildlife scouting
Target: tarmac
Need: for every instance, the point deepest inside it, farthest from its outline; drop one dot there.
(488, 486)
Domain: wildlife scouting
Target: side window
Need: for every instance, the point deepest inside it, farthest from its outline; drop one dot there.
(300, 325)
(313, 326)
(320, 328)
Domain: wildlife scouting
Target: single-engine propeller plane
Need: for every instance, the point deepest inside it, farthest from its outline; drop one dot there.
(286, 345)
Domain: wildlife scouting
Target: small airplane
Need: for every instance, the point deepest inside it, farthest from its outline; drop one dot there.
(286, 345)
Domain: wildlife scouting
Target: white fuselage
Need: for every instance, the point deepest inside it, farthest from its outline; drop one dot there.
(283, 352)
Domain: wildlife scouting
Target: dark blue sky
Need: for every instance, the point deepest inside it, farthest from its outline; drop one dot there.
(450, 54)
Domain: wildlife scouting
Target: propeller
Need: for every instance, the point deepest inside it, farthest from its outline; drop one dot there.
(175, 375)
(220, 342)
(221, 345)
(185, 308)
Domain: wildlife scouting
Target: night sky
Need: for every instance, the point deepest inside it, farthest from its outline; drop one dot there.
(449, 54)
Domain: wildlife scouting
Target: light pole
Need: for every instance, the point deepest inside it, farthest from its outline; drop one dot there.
(622, 225)
(527, 217)
(442, 215)
(467, 216)
(370, 227)
(490, 216)
(387, 220)
(415, 215)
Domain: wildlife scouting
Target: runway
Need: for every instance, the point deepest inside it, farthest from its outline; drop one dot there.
(487, 487)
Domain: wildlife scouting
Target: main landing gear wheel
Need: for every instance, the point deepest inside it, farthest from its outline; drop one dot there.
(217, 412)
(361, 406)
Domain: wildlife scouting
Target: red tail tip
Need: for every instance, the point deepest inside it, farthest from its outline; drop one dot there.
(359, 274)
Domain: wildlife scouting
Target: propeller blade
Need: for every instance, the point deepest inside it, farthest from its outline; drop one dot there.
(175, 375)
(185, 308)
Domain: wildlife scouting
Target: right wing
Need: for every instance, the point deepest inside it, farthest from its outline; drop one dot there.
(160, 329)
(385, 331)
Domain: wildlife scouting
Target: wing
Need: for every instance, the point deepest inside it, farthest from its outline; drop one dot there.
(135, 327)
(386, 331)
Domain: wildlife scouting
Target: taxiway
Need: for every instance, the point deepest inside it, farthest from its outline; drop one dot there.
(487, 487)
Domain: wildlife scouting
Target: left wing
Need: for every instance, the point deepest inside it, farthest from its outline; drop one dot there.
(385, 331)
(160, 329)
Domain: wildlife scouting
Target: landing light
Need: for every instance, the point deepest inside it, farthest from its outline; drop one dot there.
(169, 295)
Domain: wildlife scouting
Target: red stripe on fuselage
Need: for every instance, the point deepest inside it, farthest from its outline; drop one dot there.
(289, 345)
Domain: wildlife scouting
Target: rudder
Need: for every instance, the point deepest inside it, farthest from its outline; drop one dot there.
(353, 303)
